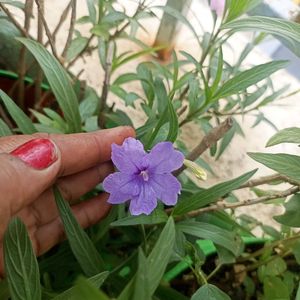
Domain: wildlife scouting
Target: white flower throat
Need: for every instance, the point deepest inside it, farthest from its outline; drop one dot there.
(145, 175)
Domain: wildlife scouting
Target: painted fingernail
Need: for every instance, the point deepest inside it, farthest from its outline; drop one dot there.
(37, 153)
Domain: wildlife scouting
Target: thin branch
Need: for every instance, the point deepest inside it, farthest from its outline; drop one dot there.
(71, 28)
(39, 75)
(209, 140)
(47, 30)
(14, 21)
(60, 22)
(22, 58)
(106, 81)
(260, 181)
(268, 179)
(225, 205)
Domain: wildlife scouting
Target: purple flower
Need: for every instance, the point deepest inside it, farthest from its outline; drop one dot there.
(144, 177)
(218, 6)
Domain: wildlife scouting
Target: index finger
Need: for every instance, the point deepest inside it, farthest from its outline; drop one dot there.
(79, 151)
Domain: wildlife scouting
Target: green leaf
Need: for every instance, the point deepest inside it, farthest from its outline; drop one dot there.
(157, 217)
(59, 82)
(77, 45)
(20, 262)
(211, 194)
(209, 292)
(92, 10)
(216, 234)
(22, 120)
(285, 164)
(287, 30)
(96, 281)
(85, 290)
(287, 135)
(157, 261)
(4, 129)
(245, 79)
(82, 247)
(275, 267)
(124, 78)
(167, 114)
(275, 289)
(237, 8)
(141, 285)
(14, 3)
(160, 255)
(291, 216)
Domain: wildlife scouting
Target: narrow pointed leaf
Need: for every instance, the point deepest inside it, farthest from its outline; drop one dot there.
(22, 120)
(59, 82)
(82, 247)
(285, 164)
(20, 262)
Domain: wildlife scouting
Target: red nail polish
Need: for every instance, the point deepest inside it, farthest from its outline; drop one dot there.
(37, 153)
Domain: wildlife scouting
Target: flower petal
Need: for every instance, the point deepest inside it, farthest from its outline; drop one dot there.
(163, 158)
(218, 6)
(145, 202)
(128, 158)
(122, 183)
(118, 197)
(166, 187)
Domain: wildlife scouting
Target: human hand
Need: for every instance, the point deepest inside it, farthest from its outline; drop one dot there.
(31, 164)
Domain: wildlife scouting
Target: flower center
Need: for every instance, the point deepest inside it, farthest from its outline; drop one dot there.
(145, 175)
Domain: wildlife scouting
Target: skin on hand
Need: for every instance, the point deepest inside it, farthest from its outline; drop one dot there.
(76, 163)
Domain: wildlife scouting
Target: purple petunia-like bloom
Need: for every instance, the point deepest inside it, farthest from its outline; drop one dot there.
(144, 177)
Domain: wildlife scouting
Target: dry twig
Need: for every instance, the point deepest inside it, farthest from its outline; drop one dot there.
(47, 30)
(209, 140)
(39, 76)
(60, 22)
(221, 205)
(14, 21)
(22, 58)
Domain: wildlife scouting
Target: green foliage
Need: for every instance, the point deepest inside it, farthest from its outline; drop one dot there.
(22, 120)
(140, 250)
(21, 265)
(83, 248)
(285, 164)
(287, 135)
(59, 81)
(287, 30)
(291, 215)
(209, 291)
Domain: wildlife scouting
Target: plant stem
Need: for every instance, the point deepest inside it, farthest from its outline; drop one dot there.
(106, 81)
(214, 272)
(39, 75)
(71, 28)
(225, 205)
(60, 22)
(47, 30)
(209, 140)
(14, 21)
(22, 58)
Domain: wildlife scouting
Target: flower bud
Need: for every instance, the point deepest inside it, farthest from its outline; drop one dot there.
(195, 169)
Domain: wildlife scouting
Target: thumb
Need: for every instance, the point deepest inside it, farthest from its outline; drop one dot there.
(26, 172)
